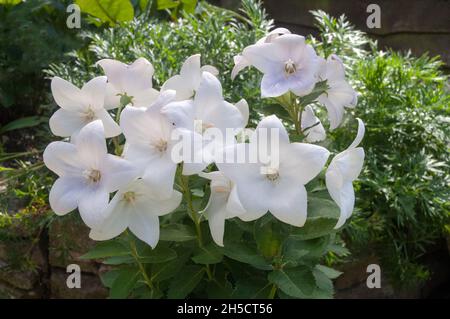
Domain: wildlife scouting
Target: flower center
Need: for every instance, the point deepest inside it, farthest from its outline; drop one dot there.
(289, 67)
(93, 175)
(272, 174)
(129, 197)
(161, 145)
(89, 115)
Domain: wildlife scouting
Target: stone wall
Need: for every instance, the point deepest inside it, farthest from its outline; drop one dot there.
(49, 252)
(43, 273)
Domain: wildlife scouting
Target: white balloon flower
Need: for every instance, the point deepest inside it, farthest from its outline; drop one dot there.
(288, 64)
(134, 80)
(342, 171)
(149, 143)
(87, 174)
(241, 62)
(223, 204)
(188, 81)
(311, 126)
(263, 186)
(340, 94)
(213, 113)
(138, 208)
(80, 107)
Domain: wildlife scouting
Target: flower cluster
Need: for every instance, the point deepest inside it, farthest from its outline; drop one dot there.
(189, 125)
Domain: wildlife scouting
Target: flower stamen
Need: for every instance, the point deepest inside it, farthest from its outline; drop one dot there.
(129, 197)
(289, 67)
(93, 175)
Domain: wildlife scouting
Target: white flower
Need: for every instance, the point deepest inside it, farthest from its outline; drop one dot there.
(288, 64)
(340, 94)
(223, 204)
(149, 144)
(87, 174)
(136, 207)
(213, 111)
(314, 132)
(263, 186)
(134, 80)
(80, 107)
(240, 62)
(342, 171)
(188, 81)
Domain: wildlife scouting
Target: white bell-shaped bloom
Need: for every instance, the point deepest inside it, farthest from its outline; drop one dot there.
(240, 62)
(149, 143)
(138, 208)
(340, 94)
(213, 113)
(342, 171)
(223, 204)
(87, 174)
(134, 80)
(288, 64)
(188, 81)
(312, 127)
(264, 185)
(80, 107)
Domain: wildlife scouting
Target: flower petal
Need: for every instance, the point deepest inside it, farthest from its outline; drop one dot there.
(95, 91)
(289, 205)
(91, 145)
(66, 193)
(65, 123)
(145, 226)
(116, 219)
(215, 211)
(302, 161)
(117, 172)
(359, 135)
(160, 175)
(92, 206)
(67, 95)
(62, 158)
(110, 126)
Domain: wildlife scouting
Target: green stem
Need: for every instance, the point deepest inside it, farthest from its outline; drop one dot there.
(273, 291)
(184, 183)
(136, 257)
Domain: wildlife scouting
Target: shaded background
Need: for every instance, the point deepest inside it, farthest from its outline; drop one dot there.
(419, 25)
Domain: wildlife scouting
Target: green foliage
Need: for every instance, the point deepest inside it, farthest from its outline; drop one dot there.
(108, 11)
(403, 191)
(27, 45)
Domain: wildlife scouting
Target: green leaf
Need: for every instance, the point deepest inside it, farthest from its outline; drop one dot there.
(167, 4)
(185, 282)
(110, 11)
(107, 249)
(24, 122)
(163, 271)
(296, 282)
(244, 253)
(177, 233)
(210, 254)
(324, 289)
(268, 238)
(252, 288)
(189, 5)
(160, 254)
(119, 260)
(124, 283)
(216, 290)
(10, 2)
(329, 272)
(323, 214)
(109, 277)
